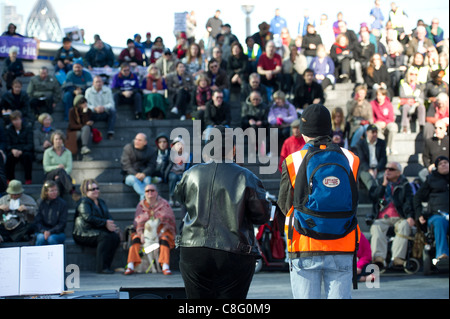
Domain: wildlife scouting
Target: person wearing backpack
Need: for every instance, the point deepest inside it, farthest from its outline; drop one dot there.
(318, 182)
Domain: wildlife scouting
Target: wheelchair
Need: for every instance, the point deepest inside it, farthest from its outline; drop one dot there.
(411, 264)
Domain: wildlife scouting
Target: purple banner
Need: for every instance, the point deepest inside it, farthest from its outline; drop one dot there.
(27, 47)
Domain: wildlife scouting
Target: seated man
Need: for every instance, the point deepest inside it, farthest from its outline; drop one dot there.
(131, 54)
(76, 83)
(125, 86)
(217, 112)
(434, 191)
(64, 56)
(18, 211)
(19, 147)
(308, 92)
(100, 101)
(99, 56)
(269, 67)
(44, 91)
(16, 100)
(436, 111)
(392, 206)
(372, 154)
(254, 84)
(138, 164)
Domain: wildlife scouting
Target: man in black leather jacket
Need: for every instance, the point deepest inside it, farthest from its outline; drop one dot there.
(217, 244)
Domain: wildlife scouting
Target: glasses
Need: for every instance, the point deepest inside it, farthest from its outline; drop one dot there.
(391, 169)
(150, 190)
(93, 189)
(214, 66)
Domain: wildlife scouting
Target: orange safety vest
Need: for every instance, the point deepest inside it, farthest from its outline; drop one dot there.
(301, 245)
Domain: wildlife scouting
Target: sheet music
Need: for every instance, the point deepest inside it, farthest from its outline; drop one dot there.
(9, 271)
(42, 269)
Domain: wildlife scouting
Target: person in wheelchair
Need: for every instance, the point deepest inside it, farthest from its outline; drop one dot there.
(392, 200)
(435, 192)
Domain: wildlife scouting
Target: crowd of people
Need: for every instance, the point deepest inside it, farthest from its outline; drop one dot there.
(275, 76)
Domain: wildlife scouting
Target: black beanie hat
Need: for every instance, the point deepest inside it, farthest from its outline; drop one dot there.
(315, 121)
(440, 158)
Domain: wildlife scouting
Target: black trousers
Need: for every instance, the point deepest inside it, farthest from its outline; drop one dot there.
(106, 243)
(27, 161)
(215, 274)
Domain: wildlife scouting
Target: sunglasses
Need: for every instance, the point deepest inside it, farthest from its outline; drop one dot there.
(150, 190)
(391, 169)
(93, 189)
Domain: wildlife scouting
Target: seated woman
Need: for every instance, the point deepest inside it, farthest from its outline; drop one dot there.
(154, 86)
(281, 114)
(377, 76)
(340, 127)
(412, 95)
(424, 72)
(179, 163)
(201, 95)
(41, 136)
(237, 68)
(80, 126)
(341, 55)
(359, 114)
(384, 119)
(323, 67)
(57, 165)
(194, 62)
(12, 67)
(51, 218)
(152, 207)
(95, 227)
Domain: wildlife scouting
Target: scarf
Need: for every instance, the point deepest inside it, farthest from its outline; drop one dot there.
(160, 210)
(203, 95)
(340, 49)
(153, 82)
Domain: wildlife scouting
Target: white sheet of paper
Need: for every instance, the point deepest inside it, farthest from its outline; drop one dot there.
(9, 271)
(42, 269)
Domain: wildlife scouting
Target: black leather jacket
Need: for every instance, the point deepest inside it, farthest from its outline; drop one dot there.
(223, 201)
(90, 219)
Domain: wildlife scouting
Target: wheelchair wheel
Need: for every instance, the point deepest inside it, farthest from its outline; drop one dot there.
(411, 266)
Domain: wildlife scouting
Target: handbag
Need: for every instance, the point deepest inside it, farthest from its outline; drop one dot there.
(96, 135)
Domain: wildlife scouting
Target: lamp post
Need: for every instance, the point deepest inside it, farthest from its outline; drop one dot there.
(247, 9)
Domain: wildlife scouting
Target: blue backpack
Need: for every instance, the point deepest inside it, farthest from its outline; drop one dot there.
(326, 201)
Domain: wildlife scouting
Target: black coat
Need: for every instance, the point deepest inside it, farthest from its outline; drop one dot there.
(223, 201)
(22, 141)
(362, 150)
(217, 115)
(51, 216)
(434, 191)
(90, 219)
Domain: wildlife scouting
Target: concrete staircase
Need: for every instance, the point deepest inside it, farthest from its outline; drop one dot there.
(122, 200)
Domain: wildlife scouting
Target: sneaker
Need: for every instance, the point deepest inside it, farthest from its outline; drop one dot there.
(398, 262)
(156, 180)
(85, 150)
(87, 158)
(182, 118)
(110, 135)
(174, 110)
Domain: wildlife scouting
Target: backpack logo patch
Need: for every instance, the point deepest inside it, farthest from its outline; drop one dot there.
(331, 181)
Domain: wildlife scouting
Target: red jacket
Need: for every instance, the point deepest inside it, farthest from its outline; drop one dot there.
(383, 113)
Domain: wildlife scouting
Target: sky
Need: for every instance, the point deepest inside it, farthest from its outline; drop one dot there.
(117, 21)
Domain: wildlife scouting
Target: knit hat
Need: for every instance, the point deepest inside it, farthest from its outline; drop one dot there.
(78, 61)
(315, 121)
(14, 187)
(439, 159)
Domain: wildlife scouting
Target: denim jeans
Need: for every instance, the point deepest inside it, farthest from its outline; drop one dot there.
(335, 271)
(53, 239)
(138, 186)
(107, 116)
(440, 230)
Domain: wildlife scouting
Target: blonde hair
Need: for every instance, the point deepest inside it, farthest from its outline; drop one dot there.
(85, 185)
